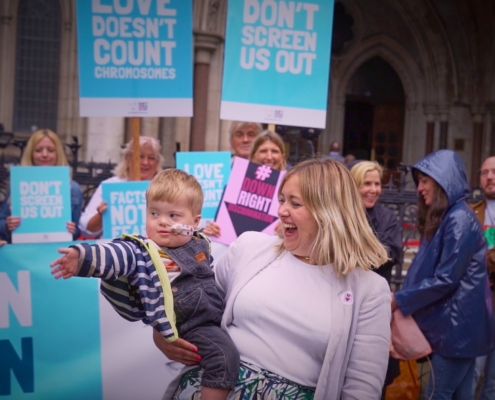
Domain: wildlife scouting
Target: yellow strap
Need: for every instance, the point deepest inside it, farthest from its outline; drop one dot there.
(168, 297)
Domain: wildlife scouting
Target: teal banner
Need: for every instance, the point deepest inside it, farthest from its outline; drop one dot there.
(49, 329)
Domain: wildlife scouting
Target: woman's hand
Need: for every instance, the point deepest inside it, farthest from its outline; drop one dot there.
(71, 227)
(95, 223)
(102, 207)
(13, 222)
(181, 350)
(212, 229)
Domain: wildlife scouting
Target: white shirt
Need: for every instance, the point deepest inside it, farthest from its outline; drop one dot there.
(91, 208)
(273, 314)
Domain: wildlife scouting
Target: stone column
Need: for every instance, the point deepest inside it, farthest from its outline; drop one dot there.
(430, 112)
(7, 66)
(205, 44)
(492, 131)
(443, 143)
(478, 114)
(104, 138)
(166, 136)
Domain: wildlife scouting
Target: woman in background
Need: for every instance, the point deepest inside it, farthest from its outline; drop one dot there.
(446, 287)
(43, 148)
(151, 161)
(267, 149)
(368, 177)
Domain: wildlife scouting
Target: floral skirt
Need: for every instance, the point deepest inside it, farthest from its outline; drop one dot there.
(253, 383)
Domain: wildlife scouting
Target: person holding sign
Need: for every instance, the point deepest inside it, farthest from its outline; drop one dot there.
(43, 148)
(267, 149)
(151, 161)
(180, 299)
(308, 316)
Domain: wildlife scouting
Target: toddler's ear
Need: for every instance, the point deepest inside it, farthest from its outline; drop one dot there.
(197, 218)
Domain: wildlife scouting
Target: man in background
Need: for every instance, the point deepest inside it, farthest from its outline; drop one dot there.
(485, 211)
(334, 153)
(242, 135)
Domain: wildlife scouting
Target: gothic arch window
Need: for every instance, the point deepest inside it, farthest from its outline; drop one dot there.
(37, 64)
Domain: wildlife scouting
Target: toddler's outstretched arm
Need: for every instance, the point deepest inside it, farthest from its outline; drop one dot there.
(66, 266)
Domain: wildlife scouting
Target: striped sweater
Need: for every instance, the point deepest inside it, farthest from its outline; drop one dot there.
(130, 282)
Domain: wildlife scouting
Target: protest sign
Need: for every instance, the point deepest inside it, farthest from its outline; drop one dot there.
(250, 201)
(60, 339)
(126, 208)
(212, 170)
(277, 61)
(135, 58)
(41, 197)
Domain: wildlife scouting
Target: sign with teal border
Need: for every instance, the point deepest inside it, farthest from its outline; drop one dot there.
(40, 196)
(277, 61)
(212, 170)
(126, 208)
(135, 58)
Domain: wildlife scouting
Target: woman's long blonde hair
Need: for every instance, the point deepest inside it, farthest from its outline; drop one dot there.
(344, 236)
(27, 155)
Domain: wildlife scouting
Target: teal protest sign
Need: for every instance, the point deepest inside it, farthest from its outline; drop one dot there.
(135, 58)
(126, 208)
(41, 197)
(212, 170)
(60, 339)
(277, 61)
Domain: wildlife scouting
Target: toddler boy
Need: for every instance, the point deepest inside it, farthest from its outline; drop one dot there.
(165, 280)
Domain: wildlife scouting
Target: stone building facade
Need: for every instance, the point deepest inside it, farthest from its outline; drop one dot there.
(407, 77)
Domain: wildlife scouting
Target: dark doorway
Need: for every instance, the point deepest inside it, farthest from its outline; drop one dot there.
(374, 114)
(358, 123)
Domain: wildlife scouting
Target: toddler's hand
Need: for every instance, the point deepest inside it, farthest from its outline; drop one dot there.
(65, 266)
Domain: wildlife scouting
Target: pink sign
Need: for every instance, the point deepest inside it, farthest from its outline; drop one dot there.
(250, 200)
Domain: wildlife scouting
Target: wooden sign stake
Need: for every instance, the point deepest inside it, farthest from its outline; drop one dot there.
(136, 149)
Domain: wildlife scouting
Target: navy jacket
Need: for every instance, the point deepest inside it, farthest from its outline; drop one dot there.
(387, 229)
(446, 287)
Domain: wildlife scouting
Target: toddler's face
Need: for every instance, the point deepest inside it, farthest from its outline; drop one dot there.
(160, 216)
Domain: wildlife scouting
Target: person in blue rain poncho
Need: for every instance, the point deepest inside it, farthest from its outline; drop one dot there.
(446, 287)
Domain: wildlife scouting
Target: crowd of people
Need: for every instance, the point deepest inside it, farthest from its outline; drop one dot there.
(305, 313)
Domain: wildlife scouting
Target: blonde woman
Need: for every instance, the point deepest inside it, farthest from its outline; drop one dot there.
(43, 148)
(308, 316)
(368, 177)
(151, 161)
(269, 149)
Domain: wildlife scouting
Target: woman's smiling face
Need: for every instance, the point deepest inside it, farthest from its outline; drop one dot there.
(371, 188)
(426, 188)
(299, 226)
